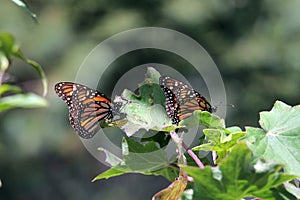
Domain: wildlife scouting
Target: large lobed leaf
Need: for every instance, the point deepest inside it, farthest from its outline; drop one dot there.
(279, 137)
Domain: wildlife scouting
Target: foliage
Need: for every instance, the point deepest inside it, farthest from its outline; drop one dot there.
(278, 138)
(254, 43)
(8, 50)
(237, 173)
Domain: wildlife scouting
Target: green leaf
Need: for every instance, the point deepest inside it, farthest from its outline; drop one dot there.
(23, 5)
(237, 178)
(112, 172)
(9, 48)
(162, 138)
(279, 137)
(7, 44)
(203, 118)
(168, 172)
(220, 140)
(144, 157)
(29, 100)
(9, 88)
(145, 110)
(147, 159)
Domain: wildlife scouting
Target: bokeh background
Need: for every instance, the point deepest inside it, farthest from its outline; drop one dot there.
(255, 45)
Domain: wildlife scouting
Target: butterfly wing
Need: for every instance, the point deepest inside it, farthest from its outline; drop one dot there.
(188, 100)
(172, 105)
(86, 107)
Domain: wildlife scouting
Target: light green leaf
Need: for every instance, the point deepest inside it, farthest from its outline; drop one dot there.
(4, 63)
(112, 172)
(9, 88)
(203, 118)
(220, 140)
(145, 110)
(279, 137)
(28, 100)
(7, 44)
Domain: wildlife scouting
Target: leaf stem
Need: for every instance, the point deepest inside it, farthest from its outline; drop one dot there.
(193, 155)
(188, 150)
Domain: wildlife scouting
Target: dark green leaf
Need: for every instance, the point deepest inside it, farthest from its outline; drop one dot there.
(144, 157)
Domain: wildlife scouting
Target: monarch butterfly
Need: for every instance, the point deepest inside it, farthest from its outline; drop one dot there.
(86, 107)
(181, 99)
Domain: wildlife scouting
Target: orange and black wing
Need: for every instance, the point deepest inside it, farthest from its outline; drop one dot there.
(86, 107)
(187, 99)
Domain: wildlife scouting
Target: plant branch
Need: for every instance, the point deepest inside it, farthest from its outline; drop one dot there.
(188, 150)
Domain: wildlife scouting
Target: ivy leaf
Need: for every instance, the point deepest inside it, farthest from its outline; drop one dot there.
(279, 137)
(220, 140)
(28, 100)
(237, 178)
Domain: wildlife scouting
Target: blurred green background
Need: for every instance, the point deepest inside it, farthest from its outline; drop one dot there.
(255, 45)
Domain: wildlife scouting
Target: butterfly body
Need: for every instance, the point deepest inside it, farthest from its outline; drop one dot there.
(86, 107)
(181, 99)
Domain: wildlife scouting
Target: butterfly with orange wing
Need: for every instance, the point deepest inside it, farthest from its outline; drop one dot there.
(87, 107)
(182, 100)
